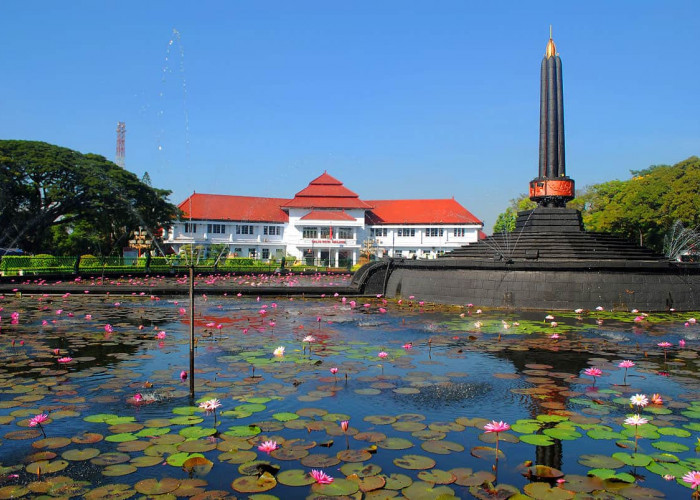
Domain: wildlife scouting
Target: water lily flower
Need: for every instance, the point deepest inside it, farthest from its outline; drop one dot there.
(183, 375)
(210, 405)
(182, 311)
(138, 397)
(478, 311)
(56, 351)
(268, 446)
(578, 311)
(593, 372)
(309, 338)
(554, 324)
(279, 352)
(496, 427)
(478, 324)
(160, 335)
(634, 311)
(554, 336)
(600, 308)
(639, 400)
(639, 319)
(692, 321)
(37, 420)
(656, 399)
(408, 345)
(692, 477)
(668, 477)
(109, 328)
(636, 420)
(664, 345)
(321, 477)
(549, 317)
(382, 355)
(681, 343)
(344, 425)
(66, 359)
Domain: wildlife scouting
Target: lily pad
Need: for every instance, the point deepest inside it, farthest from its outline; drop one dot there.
(437, 476)
(295, 477)
(546, 491)
(633, 459)
(353, 455)
(414, 462)
(600, 461)
(394, 443)
(320, 461)
(466, 477)
(80, 455)
(119, 470)
(254, 484)
(420, 490)
(360, 470)
(46, 466)
(441, 447)
(338, 487)
(155, 487)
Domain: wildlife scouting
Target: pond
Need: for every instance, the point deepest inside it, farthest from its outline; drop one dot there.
(416, 383)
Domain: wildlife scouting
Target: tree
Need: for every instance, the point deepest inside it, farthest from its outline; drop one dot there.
(506, 220)
(56, 200)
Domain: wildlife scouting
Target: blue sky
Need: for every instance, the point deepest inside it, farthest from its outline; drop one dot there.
(418, 99)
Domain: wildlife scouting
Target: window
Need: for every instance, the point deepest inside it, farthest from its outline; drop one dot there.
(345, 233)
(310, 232)
(216, 228)
(271, 230)
(325, 232)
(265, 253)
(244, 229)
(433, 232)
(406, 233)
(378, 231)
(460, 232)
(190, 228)
(251, 253)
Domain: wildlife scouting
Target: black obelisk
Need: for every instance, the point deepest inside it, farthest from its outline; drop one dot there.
(552, 188)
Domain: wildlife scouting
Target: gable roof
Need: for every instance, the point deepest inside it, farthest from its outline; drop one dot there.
(326, 191)
(234, 208)
(447, 211)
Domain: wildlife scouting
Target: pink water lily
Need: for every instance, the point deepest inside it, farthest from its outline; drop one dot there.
(408, 345)
(496, 427)
(593, 372)
(37, 420)
(382, 355)
(334, 370)
(160, 335)
(66, 359)
(625, 364)
(321, 477)
(692, 477)
(268, 446)
(109, 328)
(656, 399)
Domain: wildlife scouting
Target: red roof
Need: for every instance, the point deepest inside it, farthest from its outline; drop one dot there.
(328, 215)
(236, 208)
(326, 192)
(419, 212)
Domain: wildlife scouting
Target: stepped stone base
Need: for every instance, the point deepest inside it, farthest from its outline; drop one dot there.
(548, 262)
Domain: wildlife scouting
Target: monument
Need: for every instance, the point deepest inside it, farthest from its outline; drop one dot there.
(549, 261)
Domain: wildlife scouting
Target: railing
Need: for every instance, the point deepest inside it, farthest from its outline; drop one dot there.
(43, 265)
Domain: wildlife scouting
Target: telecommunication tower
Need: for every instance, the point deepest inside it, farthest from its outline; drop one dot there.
(121, 133)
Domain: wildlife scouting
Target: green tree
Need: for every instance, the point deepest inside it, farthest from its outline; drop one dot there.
(56, 200)
(505, 222)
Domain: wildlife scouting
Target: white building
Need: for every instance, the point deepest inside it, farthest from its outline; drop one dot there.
(324, 222)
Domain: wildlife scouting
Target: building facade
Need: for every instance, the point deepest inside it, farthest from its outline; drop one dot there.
(324, 223)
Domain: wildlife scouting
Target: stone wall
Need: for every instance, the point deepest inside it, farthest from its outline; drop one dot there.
(552, 289)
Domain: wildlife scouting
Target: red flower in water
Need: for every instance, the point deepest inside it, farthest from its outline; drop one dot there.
(321, 477)
(496, 427)
(382, 355)
(268, 446)
(344, 425)
(692, 477)
(66, 359)
(593, 372)
(38, 419)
